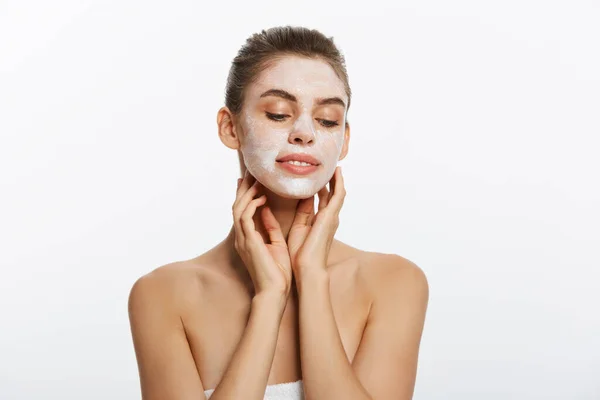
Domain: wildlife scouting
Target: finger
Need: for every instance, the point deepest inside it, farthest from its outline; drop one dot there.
(304, 211)
(237, 227)
(247, 220)
(311, 217)
(272, 227)
(240, 204)
(244, 198)
(332, 184)
(247, 181)
(323, 197)
(339, 191)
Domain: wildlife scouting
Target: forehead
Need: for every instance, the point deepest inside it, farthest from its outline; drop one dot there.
(301, 77)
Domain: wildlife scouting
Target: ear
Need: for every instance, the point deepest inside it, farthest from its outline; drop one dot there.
(346, 141)
(227, 130)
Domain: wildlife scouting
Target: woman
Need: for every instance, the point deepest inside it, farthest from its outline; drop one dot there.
(279, 308)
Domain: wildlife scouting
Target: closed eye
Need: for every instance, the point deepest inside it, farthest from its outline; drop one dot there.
(276, 117)
(281, 118)
(327, 123)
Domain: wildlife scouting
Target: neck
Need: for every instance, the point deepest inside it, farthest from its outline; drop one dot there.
(284, 211)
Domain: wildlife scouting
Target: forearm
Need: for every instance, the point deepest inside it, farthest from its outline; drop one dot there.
(326, 371)
(247, 374)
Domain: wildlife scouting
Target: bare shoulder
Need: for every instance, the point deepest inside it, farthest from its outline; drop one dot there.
(177, 284)
(156, 306)
(380, 273)
(391, 277)
(392, 269)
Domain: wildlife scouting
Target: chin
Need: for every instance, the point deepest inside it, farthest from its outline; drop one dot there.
(292, 189)
(291, 194)
(288, 187)
(295, 196)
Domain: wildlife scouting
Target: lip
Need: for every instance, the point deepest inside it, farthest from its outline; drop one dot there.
(299, 169)
(299, 157)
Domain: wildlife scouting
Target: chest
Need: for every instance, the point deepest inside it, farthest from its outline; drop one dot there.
(215, 331)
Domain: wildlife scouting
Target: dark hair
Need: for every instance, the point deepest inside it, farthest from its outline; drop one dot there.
(262, 49)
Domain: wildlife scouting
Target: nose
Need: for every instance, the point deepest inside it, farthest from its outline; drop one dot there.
(303, 133)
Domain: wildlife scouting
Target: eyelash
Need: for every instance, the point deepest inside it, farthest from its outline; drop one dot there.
(328, 123)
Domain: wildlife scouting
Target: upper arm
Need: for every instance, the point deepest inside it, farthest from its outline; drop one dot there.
(386, 360)
(166, 366)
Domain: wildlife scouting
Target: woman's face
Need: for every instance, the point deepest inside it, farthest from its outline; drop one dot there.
(293, 124)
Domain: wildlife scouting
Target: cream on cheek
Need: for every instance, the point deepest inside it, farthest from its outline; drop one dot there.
(264, 143)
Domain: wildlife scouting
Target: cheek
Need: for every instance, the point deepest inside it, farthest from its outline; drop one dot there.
(331, 144)
(260, 149)
(260, 143)
(260, 138)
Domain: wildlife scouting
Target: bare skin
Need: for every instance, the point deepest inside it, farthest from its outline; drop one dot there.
(213, 298)
(232, 320)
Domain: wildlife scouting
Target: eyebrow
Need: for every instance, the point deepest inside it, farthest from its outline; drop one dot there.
(288, 96)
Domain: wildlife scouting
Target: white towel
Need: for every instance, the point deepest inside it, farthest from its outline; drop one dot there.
(280, 391)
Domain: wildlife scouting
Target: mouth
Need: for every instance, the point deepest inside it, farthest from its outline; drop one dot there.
(299, 164)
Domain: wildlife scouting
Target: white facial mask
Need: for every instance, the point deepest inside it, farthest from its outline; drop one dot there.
(260, 152)
(264, 142)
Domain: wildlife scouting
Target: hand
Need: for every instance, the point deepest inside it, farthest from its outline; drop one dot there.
(311, 235)
(268, 264)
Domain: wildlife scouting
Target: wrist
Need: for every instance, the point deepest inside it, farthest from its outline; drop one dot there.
(315, 278)
(270, 299)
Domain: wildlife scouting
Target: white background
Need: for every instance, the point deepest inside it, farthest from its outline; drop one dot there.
(474, 153)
